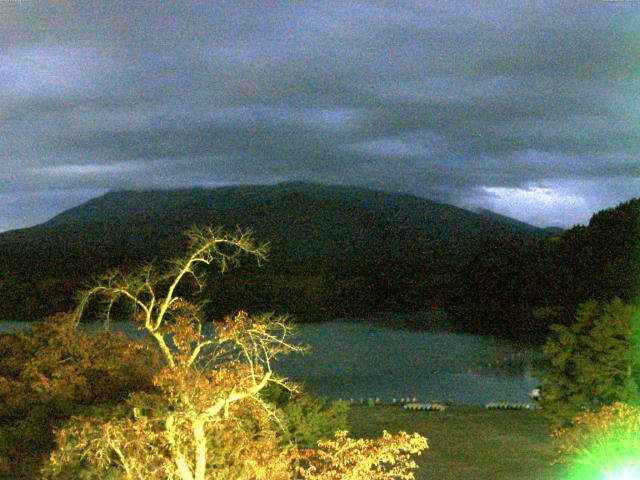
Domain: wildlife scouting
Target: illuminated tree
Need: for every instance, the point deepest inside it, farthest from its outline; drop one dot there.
(211, 373)
(344, 458)
(208, 417)
(53, 371)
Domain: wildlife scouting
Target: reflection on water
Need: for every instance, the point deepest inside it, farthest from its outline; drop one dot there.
(353, 359)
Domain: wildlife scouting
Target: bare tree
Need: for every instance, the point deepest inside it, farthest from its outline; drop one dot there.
(207, 419)
(209, 368)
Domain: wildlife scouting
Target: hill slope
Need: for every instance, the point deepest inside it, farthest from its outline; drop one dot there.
(313, 229)
(509, 277)
(308, 225)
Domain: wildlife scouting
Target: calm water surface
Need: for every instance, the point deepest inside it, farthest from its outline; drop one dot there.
(361, 359)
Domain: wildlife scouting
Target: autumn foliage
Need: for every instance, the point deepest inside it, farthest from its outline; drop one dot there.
(346, 458)
(54, 371)
(200, 408)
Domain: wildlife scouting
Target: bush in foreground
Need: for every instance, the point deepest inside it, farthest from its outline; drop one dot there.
(306, 419)
(388, 458)
(53, 371)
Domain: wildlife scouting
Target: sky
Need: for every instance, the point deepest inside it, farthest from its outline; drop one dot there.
(527, 108)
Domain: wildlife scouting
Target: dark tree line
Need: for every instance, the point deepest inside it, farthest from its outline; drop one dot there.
(507, 285)
(543, 280)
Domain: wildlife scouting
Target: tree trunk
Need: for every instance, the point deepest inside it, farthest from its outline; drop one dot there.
(181, 463)
(201, 449)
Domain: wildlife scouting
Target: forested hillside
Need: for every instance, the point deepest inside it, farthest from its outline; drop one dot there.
(545, 279)
(334, 250)
(337, 251)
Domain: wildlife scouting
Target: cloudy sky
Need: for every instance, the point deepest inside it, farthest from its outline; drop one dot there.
(528, 108)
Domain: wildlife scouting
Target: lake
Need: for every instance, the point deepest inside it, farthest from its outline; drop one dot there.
(362, 359)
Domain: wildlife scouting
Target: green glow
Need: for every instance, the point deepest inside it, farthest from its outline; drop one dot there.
(612, 454)
(614, 467)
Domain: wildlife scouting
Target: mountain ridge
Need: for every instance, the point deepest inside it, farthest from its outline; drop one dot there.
(292, 186)
(288, 214)
(314, 230)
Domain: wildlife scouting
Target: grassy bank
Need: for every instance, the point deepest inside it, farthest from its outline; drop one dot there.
(469, 443)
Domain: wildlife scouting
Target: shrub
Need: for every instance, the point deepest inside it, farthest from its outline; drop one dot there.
(306, 419)
(309, 419)
(387, 458)
(53, 371)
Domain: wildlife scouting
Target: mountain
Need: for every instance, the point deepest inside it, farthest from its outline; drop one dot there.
(336, 231)
(308, 225)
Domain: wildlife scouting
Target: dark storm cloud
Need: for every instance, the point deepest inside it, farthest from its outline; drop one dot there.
(517, 106)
